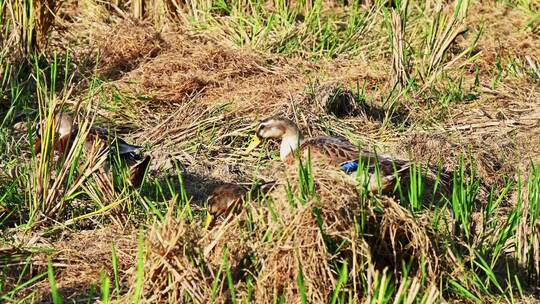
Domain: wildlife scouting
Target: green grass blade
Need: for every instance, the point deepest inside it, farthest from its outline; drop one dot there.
(139, 276)
(301, 285)
(56, 297)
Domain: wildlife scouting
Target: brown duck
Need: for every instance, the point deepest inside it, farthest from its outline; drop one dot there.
(66, 131)
(226, 198)
(332, 151)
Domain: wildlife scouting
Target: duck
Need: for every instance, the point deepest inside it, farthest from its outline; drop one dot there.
(226, 198)
(66, 131)
(333, 151)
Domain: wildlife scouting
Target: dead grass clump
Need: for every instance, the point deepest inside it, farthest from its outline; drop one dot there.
(130, 43)
(228, 62)
(496, 159)
(259, 95)
(231, 239)
(94, 248)
(79, 258)
(332, 98)
(300, 246)
(432, 149)
(299, 249)
(508, 34)
(402, 237)
(167, 79)
(313, 237)
(191, 67)
(493, 157)
(173, 267)
(396, 235)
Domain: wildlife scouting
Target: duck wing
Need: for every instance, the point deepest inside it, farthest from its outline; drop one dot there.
(115, 141)
(333, 150)
(124, 147)
(339, 151)
(386, 165)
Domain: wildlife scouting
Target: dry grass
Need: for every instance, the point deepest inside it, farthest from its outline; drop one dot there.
(194, 97)
(184, 261)
(79, 258)
(197, 67)
(172, 265)
(122, 53)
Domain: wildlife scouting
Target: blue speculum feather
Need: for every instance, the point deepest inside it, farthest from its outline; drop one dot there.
(350, 166)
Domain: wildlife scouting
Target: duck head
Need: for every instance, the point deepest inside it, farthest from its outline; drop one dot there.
(63, 123)
(281, 129)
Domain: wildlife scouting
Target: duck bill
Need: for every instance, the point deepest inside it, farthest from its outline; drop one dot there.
(209, 220)
(255, 142)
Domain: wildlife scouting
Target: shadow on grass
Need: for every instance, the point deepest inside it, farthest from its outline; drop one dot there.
(196, 186)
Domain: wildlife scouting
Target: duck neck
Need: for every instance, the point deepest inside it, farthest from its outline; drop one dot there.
(289, 143)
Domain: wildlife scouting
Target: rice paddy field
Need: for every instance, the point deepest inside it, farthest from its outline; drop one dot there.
(452, 87)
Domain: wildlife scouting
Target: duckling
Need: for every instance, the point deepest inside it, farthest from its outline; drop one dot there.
(66, 131)
(329, 150)
(225, 198)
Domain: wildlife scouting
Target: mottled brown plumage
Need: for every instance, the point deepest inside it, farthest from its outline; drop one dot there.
(228, 197)
(330, 151)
